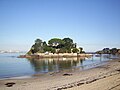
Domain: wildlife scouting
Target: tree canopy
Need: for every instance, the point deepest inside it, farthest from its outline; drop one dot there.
(55, 45)
(55, 42)
(68, 40)
(38, 41)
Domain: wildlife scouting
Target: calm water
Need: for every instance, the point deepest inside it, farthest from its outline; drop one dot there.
(11, 66)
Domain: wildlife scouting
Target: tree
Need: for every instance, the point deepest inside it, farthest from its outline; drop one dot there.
(113, 50)
(49, 49)
(38, 41)
(62, 50)
(44, 43)
(74, 45)
(81, 49)
(55, 42)
(37, 47)
(75, 50)
(68, 40)
(106, 50)
(68, 44)
(56, 45)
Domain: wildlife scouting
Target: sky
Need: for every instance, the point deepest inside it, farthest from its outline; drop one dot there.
(92, 24)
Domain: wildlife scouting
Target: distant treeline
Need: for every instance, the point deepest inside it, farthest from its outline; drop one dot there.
(109, 51)
(55, 45)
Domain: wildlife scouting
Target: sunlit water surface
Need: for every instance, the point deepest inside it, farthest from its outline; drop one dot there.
(11, 66)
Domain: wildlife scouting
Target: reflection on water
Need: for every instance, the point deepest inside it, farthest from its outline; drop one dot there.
(55, 64)
(11, 66)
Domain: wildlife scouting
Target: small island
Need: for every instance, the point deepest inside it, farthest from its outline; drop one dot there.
(56, 48)
(113, 51)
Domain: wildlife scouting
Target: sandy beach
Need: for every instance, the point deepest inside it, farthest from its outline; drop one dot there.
(104, 77)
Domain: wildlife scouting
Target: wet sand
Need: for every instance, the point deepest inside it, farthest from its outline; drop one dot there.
(104, 77)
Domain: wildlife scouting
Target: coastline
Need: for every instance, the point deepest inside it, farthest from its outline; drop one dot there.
(71, 79)
(51, 55)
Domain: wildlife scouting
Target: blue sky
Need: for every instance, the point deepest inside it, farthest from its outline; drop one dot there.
(92, 24)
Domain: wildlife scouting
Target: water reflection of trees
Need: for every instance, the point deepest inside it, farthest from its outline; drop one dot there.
(56, 64)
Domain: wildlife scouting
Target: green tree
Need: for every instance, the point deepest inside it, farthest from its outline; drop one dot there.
(55, 42)
(55, 45)
(68, 40)
(81, 49)
(49, 49)
(75, 50)
(37, 47)
(113, 50)
(44, 43)
(106, 50)
(68, 44)
(38, 41)
(62, 50)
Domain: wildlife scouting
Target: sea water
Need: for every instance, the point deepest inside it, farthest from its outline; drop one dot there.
(12, 66)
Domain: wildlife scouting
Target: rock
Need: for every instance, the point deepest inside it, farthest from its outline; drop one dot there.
(66, 74)
(10, 84)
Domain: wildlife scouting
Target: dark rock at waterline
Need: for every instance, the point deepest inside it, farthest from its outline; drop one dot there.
(10, 84)
(67, 74)
(118, 70)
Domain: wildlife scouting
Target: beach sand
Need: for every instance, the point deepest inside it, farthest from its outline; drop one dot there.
(104, 77)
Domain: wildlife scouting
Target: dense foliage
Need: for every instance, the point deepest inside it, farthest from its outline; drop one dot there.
(55, 45)
(109, 51)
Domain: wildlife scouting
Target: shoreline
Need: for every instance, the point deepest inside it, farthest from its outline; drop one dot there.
(51, 55)
(68, 79)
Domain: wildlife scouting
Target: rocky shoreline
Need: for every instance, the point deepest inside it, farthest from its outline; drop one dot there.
(51, 55)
